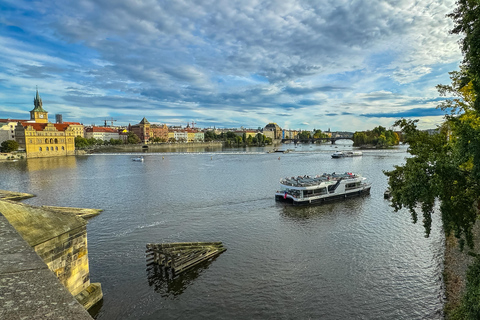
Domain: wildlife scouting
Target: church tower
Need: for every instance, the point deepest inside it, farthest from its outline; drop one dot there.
(38, 114)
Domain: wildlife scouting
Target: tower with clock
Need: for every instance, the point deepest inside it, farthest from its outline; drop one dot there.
(38, 114)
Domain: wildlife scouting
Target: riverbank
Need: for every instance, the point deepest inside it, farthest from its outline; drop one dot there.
(455, 269)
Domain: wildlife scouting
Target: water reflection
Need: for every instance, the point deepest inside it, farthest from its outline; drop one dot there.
(171, 287)
(315, 211)
(52, 163)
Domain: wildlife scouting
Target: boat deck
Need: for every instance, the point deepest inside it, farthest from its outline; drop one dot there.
(306, 181)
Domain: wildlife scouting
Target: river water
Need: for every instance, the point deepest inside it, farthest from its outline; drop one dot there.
(355, 259)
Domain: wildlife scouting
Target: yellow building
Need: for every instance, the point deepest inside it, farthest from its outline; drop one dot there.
(42, 138)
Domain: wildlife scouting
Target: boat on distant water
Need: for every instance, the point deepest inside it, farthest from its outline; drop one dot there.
(138, 159)
(305, 190)
(347, 154)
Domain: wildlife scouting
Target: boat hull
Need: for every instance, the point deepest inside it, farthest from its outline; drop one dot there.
(327, 199)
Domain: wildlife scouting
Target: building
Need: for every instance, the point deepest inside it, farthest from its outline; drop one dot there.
(78, 128)
(148, 132)
(273, 131)
(45, 139)
(102, 133)
(7, 129)
(39, 138)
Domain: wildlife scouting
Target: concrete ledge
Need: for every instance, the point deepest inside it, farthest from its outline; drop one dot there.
(28, 289)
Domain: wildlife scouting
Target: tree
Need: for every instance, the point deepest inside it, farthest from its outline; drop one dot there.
(132, 138)
(379, 136)
(260, 138)
(81, 142)
(446, 165)
(304, 135)
(9, 146)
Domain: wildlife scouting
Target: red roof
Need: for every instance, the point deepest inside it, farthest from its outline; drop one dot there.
(72, 123)
(41, 126)
(101, 129)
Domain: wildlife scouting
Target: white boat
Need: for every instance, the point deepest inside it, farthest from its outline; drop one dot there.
(137, 159)
(306, 190)
(347, 154)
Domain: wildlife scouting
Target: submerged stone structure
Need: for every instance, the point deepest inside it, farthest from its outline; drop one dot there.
(60, 239)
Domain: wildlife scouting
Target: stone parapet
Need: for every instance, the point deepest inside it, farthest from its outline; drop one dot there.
(28, 289)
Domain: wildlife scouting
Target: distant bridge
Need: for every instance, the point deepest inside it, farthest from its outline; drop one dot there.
(314, 140)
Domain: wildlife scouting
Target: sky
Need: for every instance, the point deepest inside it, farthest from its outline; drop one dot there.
(326, 64)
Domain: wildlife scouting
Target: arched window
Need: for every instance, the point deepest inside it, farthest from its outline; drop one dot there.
(56, 148)
(47, 148)
(51, 140)
(40, 149)
(46, 140)
(56, 140)
(63, 148)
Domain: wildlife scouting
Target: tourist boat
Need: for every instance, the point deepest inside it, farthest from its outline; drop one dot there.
(346, 154)
(305, 190)
(137, 159)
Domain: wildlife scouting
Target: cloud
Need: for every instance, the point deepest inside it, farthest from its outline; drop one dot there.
(229, 60)
(411, 113)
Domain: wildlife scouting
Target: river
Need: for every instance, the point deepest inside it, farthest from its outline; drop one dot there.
(356, 259)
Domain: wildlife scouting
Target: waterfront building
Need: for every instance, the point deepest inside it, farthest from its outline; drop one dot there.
(102, 133)
(289, 134)
(177, 134)
(199, 136)
(7, 129)
(146, 131)
(78, 128)
(40, 138)
(273, 131)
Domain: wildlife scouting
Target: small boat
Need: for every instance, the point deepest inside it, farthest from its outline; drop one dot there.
(347, 154)
(306, 190)
(137, 159)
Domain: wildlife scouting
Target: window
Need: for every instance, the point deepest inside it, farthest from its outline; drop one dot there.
(47, 148)
(40, 149)
(56, 148)
(63, 148)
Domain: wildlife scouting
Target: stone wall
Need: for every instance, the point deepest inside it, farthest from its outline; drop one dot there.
(66, 255)
(60, 239)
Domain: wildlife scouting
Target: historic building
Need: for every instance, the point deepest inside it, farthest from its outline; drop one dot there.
(102, 133)
(7, 129)
(40, 138)
(147, 132)
(272, 130)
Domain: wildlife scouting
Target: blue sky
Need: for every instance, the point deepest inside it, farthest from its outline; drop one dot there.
(343, 65)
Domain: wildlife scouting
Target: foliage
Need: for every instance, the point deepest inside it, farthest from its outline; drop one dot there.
(210, 135)
(82, 143)
(132, 138)
(469, 308)
(9, 146)
(319, 134)
(446, 165)
(158, 140)
(379, 136)
(232, 139)
(304, 135)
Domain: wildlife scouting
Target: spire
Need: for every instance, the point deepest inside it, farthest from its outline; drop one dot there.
(37, 102)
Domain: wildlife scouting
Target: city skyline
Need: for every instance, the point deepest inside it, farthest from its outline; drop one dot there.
(347, 66)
